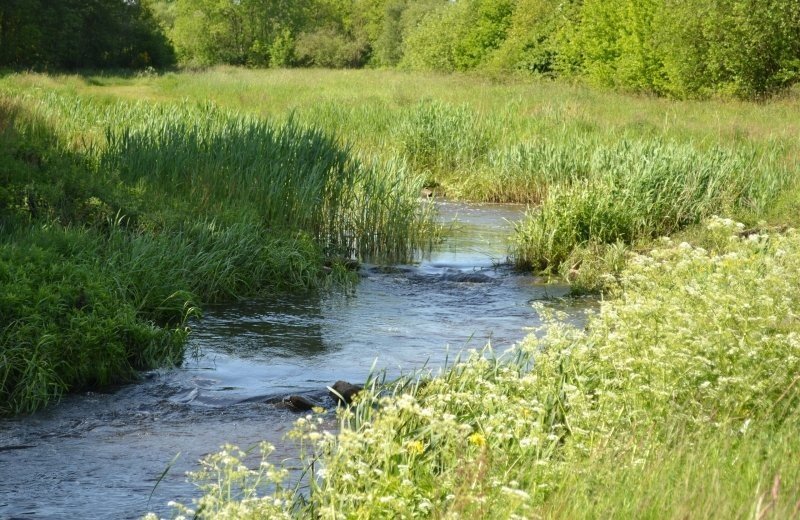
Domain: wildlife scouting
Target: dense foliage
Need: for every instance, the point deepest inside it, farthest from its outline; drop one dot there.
(695, 48)
(684, 49)
(80, 34)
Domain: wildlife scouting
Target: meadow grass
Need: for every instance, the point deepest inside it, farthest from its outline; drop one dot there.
(368, 108)
(677, 399)
(600, 168)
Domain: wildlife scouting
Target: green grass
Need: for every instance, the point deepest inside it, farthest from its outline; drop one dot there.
(84, 309)
(646, 189)
(600, 167)
(710, 475)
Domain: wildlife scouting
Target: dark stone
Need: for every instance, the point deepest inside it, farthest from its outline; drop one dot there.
(389, 269)
(351, 264)
(348, 263)
(343, 392)
(467, 278)
(300, 403)
(17, 447)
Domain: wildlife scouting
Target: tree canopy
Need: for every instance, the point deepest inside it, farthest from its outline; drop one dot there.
(77, 34)
(686, 48)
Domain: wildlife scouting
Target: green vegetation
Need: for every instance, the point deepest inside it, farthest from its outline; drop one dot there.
(647, 189)
(120, 219)
(697, 49)
(679, 398)
(81, 34)
(603, 172)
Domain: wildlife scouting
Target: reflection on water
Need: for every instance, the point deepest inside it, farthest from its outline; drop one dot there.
(99, 455)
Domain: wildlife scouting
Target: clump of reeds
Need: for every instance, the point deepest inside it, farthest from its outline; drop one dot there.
(440, 137)
(291, 177)
(646, 188)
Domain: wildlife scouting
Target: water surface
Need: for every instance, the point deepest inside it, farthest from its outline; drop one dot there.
(98, 455)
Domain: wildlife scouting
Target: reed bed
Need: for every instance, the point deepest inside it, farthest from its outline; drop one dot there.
(212, 162)
(646, 189)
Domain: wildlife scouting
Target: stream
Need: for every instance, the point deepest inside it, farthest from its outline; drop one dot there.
(99, 455)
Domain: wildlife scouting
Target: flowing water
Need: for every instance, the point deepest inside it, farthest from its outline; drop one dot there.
(99, 455)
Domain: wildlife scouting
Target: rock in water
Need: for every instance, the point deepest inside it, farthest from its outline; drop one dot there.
(344, 392)
(298, 402)
(467, 278)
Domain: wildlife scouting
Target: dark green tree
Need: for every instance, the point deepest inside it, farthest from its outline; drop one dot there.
(76, 34)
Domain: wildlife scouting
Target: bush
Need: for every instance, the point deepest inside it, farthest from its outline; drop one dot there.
(329, 48)
(693, 49)
(531, 45)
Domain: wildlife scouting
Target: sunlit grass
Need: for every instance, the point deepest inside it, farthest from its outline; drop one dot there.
(549, 144)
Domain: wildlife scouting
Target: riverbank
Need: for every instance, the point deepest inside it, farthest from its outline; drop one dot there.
(676, 399)
(119, 220)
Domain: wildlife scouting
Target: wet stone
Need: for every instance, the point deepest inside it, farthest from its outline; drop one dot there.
(343, 392)
(301, 403)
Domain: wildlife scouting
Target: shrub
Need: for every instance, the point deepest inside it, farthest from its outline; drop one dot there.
(327, 47)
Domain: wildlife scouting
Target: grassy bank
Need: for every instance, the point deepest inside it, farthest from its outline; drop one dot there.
(119, 220)
(676, 399)
(600, 169)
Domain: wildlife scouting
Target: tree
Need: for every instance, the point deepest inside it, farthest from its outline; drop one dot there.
(74, 34)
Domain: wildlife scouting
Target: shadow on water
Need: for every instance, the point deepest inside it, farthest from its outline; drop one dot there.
(99, 455)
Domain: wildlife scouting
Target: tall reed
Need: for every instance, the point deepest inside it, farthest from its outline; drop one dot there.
(203, 161)
(647, 188)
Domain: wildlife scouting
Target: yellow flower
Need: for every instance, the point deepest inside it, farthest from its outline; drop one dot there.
(415, 447)
(477, 439)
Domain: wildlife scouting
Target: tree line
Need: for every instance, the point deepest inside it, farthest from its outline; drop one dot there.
(679, 48)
